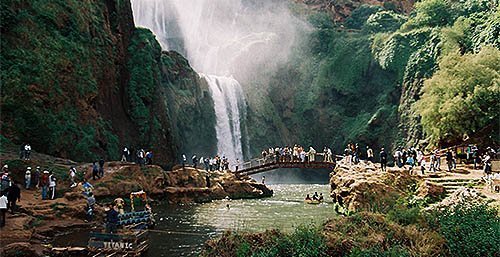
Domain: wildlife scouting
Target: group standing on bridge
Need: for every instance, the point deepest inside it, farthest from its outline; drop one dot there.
(297, 153)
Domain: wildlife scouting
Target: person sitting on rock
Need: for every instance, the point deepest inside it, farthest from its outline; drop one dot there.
(320, 197)
(308, 198)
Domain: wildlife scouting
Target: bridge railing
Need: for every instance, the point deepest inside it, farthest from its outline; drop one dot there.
(273, 159)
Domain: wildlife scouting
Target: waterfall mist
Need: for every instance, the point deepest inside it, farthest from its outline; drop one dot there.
(233, 42)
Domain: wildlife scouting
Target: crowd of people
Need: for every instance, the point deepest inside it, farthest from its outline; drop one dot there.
(297, 153)
(140, 157)
(216, 163)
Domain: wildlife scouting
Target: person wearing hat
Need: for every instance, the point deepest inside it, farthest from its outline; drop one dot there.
(44, 183)
(27, 178)
(35, 178)
(5, 182)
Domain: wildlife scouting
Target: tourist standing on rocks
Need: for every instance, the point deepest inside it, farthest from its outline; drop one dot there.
(487, 164)
(263, 180)
(411, 162)
(369, 154)
(237, 165)
(27, 178)
(449, 160)
(101, 168)
(95, 171)
(13, 197)
(5, 182)
(44, 183)
(383, 159)
(5, 169)
(72, 174)
(432, 166)
(27, 151)
(125, 154)
(4, 202)
(438, 160)
(184, 160)
(475, 156)
(90, 207)
(206, 161)
(195, 160)
(149, 158)
(86, 188)
(36, 177)
(52, 186)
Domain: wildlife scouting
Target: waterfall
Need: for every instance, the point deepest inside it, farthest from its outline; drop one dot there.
(228, 100)
(222, 39)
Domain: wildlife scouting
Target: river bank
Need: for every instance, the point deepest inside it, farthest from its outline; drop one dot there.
(385, 213)
(33, 227)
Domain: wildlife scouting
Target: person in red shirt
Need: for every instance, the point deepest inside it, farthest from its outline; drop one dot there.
(44, 183)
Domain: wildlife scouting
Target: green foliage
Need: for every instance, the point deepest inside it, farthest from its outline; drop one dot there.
(438, 13)
(470, 230)
(360, 15)
(374, 252)
(145, 54)
(384, 21)
(304, 242)
(462, 97)
(50, 51)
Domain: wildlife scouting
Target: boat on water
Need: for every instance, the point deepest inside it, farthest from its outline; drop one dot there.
(131, 239)
(311, 201)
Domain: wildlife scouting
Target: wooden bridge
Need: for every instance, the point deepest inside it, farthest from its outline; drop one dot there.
(260, 165)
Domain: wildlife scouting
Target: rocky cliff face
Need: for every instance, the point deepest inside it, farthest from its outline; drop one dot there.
(79, 81)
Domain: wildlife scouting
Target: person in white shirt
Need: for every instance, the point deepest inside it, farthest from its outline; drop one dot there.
(52, 186)
(72, 174)
(27, 178)
(3, 209)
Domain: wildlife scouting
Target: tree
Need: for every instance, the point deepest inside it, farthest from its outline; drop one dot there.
(462, 97)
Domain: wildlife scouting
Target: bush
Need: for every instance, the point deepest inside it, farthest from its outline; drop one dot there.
(469, 230)
(375, 252)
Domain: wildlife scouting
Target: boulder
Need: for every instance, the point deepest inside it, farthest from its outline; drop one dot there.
(364, 187)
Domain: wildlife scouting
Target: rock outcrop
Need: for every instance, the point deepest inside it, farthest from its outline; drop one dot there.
(194, 185)
(182, 185)
(365, 187)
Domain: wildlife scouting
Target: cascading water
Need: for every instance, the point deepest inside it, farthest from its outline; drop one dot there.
(221, 38)
(228, 100)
